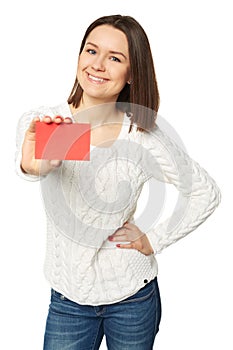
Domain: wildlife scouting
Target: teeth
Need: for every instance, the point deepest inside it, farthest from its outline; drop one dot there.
(96, 79)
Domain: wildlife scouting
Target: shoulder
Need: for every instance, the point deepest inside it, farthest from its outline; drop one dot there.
(154, 138)
(163, 138)
(41, 111)
(48, 110)
(160, 145)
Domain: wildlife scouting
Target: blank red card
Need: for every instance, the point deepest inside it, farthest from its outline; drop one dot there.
(62, 141)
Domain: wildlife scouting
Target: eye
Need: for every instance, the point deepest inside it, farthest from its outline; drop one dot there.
(91, 52)
(115, 59)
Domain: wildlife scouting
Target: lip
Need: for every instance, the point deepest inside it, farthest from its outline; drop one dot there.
(96, 79)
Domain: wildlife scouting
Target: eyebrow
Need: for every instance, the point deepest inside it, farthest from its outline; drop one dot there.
(112, 52)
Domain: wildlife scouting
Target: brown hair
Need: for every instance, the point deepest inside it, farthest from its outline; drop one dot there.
(143, 90)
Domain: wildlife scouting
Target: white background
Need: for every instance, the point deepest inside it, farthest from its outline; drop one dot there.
(192, 47)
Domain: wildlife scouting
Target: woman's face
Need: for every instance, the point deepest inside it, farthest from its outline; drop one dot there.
(103, 67)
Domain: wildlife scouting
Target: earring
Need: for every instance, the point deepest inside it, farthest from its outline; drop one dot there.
(130, 82)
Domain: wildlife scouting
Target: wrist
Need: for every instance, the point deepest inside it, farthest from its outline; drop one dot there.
(28, 171)
(22, 169)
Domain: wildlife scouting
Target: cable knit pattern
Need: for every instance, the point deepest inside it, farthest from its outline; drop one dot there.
(86, 201)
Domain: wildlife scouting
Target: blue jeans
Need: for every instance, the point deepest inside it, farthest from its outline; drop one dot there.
(131, 324)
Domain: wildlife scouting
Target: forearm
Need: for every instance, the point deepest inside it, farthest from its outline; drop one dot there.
(193, 210)
(198, 193)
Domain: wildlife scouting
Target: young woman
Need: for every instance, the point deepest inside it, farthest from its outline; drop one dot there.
(101, 266)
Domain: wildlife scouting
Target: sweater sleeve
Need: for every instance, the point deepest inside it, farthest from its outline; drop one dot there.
(198, 193)
(22, 126)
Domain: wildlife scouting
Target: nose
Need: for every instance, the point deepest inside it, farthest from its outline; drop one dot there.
(98, 64)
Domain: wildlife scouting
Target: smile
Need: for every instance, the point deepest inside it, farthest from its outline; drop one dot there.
(96, 79)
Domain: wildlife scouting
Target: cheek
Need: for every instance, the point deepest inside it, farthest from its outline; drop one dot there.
(80, 63)
(78, 75)
(81, 66)
(124, 76)
(84, 61)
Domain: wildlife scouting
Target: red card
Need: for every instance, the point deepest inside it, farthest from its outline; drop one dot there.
(62, 141)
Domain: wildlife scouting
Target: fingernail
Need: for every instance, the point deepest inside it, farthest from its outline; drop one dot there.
(118, 245)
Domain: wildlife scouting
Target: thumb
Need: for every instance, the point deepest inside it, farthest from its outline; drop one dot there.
(32, 126)
(55, 163)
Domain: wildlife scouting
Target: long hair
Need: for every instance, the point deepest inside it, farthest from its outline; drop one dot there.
(143, 90)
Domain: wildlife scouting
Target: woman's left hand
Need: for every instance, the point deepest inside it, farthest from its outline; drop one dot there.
(131, 233)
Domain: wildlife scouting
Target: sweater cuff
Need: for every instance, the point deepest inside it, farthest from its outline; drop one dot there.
(23, 175)
(153, 242)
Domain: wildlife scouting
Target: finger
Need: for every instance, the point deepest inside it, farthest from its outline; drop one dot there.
(118, 238)
(58, 119)
(68, 120)
(119, 231)
(125, 246)
(46, 119)
(32, 126)
(55, 163)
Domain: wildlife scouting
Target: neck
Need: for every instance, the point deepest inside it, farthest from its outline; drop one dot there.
(96, 112)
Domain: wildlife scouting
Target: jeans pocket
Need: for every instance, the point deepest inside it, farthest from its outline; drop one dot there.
(62, 306)
(143, 294)
(58, 296)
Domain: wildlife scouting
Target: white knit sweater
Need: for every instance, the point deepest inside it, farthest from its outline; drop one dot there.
(86, 201)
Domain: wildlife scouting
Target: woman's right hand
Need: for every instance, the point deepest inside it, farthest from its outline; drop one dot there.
(31, 165)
